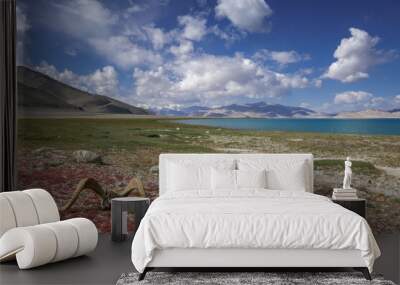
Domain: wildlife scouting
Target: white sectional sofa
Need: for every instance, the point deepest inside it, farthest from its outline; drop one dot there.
(31, 231)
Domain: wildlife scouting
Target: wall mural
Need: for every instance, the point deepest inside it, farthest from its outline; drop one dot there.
(104, 87)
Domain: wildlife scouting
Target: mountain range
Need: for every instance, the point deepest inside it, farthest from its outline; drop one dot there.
(264, 110)
(253, 110)
(41, 94)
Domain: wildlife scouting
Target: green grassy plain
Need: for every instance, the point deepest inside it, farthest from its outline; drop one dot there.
(162, 135)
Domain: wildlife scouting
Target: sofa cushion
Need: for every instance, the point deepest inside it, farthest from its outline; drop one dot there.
(7, 220)
(26, 208)
(23, 208)
(46, 207)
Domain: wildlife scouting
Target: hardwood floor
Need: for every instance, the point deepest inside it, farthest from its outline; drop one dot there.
(111, 259)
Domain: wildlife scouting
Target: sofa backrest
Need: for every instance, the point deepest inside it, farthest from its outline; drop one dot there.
(26, 208)
(269, 160)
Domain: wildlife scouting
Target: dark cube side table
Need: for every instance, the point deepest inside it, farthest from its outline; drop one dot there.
(358, 206)
(120, 207)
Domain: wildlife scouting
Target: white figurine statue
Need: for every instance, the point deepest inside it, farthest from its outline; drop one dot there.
(347, 174)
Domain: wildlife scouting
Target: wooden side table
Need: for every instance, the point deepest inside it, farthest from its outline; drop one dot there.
(358, 206)
(120, 207)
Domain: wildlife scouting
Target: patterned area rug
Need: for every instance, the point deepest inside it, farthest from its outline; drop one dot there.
(229, 278)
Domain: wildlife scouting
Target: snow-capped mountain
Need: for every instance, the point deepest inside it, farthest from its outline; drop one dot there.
(253, 110)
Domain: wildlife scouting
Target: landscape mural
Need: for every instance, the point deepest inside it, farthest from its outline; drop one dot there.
(104, 87)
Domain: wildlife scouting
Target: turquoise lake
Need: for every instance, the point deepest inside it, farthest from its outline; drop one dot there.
(342, 126)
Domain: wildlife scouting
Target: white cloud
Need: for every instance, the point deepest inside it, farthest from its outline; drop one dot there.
(122, 52)
(83, 18)
(194, 28)
(351, 97)
(183, 49)
(211, 80)
(23, 26)
(375, 101)
(100, 28)
(317, 83)
(188, 76)
(209, 73)
(305, 105)
(285, 57)
(396, 100)
(102, 81)
(385, 103)
(135, 8)
(152, 85)
(281, 57)
(228, 34)
(22, 21)
(361, 100)
(157, 37)
(355, 56)
(247, 15)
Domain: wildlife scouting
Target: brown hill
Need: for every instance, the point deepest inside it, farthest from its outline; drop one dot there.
(39, 93)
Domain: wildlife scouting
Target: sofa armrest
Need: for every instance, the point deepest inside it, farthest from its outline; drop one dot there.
(40, 244)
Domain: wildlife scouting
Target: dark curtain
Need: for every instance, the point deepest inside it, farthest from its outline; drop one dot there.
(8, 94)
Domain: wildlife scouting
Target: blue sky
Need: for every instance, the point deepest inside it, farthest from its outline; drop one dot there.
(327, 55)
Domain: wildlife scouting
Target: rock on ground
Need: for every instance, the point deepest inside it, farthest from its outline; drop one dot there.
(86, 156)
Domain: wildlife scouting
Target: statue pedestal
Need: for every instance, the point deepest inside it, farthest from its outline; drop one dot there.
(344, 190)
(344, 194)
